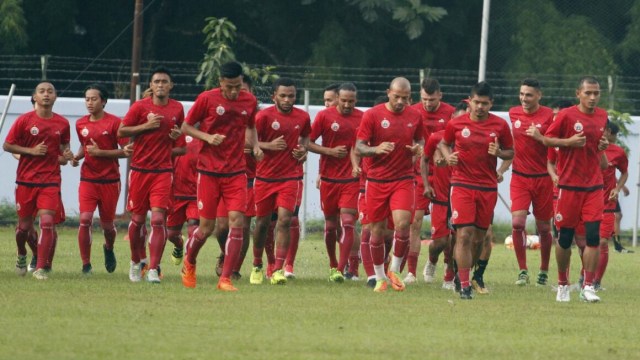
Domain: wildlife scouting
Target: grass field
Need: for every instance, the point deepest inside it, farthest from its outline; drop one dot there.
(105, 316)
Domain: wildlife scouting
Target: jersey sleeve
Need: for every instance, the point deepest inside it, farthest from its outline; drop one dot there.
(623, 162)
(555, 129)
(316, 127)
(552, 155)
(133, 116)
(421, 132)
(506, 138)
(365, 130)
(15, 135)
(197, 111)
(306, 128)
(431, 146)
(65, 135)
(449, 135)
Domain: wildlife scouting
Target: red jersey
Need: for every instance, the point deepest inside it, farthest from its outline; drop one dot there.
(271, 124)
(403, 129)
(530, 155)
(152, 149)
(184, 171)
(219, 115)
(105, 134)
(336, 129)
(436, 120)
(30, 130)
(616, 159)
(252, 163)
(439, 176)
(471, 139)
(580, 165)
(552, 157)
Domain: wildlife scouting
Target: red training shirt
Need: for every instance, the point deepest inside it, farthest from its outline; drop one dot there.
(105, 133)
(530, 157)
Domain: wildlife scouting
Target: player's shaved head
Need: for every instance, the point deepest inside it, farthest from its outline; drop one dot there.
(401, 84)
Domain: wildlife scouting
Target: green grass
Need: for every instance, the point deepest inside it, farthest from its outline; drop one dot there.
(106, 316)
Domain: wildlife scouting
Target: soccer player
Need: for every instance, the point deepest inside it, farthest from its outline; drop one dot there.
(436, 113)
(283, 132)
(391, 134)
(478, 139)
(99, 174)
(338, 188)
(616, 159)
(330, 95)
(155, 123)
(578, 131)
(38, 136)
(225, 116)
(530, 183)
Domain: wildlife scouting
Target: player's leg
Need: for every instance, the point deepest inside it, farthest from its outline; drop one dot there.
(415, 242)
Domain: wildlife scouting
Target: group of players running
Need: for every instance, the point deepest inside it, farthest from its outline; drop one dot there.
(227, 161)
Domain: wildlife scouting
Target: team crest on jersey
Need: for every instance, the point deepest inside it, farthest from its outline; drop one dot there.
(466, 132)
(558, 217)
(454, 214)
(200, 205)
(84, 132)
(188, 139)
(275, 125)
(385, 123)
(335, 126)
(34, 130)
(517, 124)
(220, 110)
(578, 126)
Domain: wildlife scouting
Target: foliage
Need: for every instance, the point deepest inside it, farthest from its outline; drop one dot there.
(7, 212)
(220, 34)
(622, 120)
(13, 26)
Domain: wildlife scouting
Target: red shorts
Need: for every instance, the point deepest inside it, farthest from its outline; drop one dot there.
(182, 209)
(149, 190)
(214, 190)
(104, 196)
(60, 215)
(532, 190)
(251, 200)
(31, 199)
(272, 195)
(383, 197)
(362, 209)
(472, 207)
(576, 206)
(607, 226)
(335, 196)
(422, 202)
(439, 220)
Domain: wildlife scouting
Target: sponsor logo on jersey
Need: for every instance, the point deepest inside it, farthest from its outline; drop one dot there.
(220, 110)
(275, 125)
(465, 132)
(335, 126)
(385, 123)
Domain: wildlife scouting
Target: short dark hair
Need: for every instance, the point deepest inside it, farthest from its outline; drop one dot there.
(283, 81)
(333, 87)
(160, 70)
(230, 70)
(589, 79)
(462, 105)
(430, 86)
(561, 104)
(247, 79)
(531, 83)
(380, 100)
(348, 86)
(482, 89)
(614, 129)
(104, 94)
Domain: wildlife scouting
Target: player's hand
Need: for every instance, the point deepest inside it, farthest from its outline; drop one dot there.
(452, 159)
(154, 121)
(577, 140)
(499, 176)
(385, 148)
(39, 150)
(625, 191)
(534, 132)
(67, 154)
(416, 150)
(299, 153)
(494, 148)
(555, 179)
(613, 195)
(603, 143)
(356, 171)
(429, 192)
(175, 132)
(75, 161)
(215, 139)
(257, 153)
(339, 151)
(92, 149)
(318, 182)
(278, 144)
(128, 150)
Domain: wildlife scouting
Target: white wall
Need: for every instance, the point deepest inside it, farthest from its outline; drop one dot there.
(73, 109)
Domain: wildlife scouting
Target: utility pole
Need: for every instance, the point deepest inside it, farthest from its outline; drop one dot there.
(484, 39)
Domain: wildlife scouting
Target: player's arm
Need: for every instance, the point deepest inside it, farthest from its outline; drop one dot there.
(604, 162)
(577, 140)
(67, 154)
(503, 168)
(450, 156)
(365, 150)
(178, 151)
(251, 142)
(94, 150)
(211, 139)
(153, 122)
(355, 163)
(424, 173)
(551, 169)
(619, 186)
(300, 151)
(38, 150)
(339, 151)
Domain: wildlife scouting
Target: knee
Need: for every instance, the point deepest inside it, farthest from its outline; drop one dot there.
(592, 229)
(330, 225)
(138, 219)
(543, 227)
(295, 222)
(565, 238)
(518, 223)
(157, 218)
(86, 219)
(46, 221)
(107, 225)
(347, 220)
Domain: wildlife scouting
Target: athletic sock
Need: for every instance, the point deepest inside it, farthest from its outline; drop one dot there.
(294, 239)
(232, 251)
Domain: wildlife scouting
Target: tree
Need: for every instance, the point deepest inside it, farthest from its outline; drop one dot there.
(220, 34)
(13, 26)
